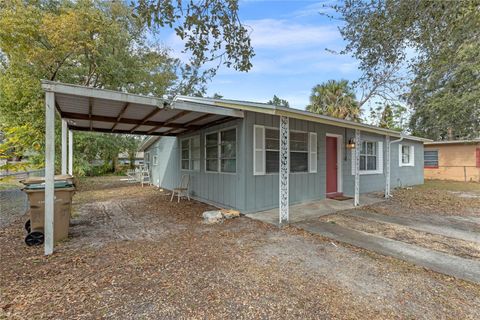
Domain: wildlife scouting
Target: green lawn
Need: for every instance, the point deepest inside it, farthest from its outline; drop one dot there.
(8, 184)
(450, 185)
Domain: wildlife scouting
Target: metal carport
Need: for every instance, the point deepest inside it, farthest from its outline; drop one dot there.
(90, 109)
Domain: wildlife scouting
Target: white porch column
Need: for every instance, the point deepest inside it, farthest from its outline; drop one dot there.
(64, 146)
(49, 170)
(284, 169)
(387, 167)
(358, 146)
(70, 152)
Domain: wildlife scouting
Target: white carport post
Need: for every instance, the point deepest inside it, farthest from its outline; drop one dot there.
(284, 169)
(64, 146)
(356, 201)
(387, 167)
(70, 152)
(49, 170)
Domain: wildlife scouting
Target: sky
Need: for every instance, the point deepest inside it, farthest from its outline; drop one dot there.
(290, 39)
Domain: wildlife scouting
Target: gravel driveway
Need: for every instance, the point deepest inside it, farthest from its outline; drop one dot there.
(133, 254)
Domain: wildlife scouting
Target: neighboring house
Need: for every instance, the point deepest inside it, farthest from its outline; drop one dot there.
(124, 158)
(236, 164)
(452, 160)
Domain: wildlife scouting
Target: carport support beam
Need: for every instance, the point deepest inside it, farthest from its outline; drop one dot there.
(358, 146)
(70, 152)
(284, 170)
(64, 146)
(49, 170)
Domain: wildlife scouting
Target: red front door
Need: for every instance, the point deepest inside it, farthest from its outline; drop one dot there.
(332, 179)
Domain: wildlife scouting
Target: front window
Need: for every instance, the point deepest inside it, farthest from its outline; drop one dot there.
(211, 152)
(405, 154)
(221, 151)
(228, 143)
(368, 156)
(272, 150)
(191, 153)
(298, 151)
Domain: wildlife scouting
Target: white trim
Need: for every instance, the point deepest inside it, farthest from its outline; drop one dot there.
(70, 152)
(64, 147)
(262, 150)
(196, 107)
(339, 159)
(314, 153)
(49, 171)
(76, 90)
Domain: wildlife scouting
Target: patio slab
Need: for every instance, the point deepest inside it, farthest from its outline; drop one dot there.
(313, 209)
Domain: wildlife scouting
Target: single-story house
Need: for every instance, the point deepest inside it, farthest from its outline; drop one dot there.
(238, 164)
(243, 155)
(452, 160)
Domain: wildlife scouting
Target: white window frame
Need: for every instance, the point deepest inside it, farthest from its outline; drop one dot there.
(261, 150)
(219, 151)
(379, 156)
(312, 152)
(191, 160)
(411, 151)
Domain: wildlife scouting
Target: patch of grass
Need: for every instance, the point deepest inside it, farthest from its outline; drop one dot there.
(4, 185)
(450, 186)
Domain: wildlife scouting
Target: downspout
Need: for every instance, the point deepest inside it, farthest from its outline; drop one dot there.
(387, 184)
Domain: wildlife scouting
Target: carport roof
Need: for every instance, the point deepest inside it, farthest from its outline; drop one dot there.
(92, 109)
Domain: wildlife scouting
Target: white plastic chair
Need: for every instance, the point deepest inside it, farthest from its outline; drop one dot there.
(182, 190)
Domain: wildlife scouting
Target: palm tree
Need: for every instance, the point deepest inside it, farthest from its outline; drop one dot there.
(336, 99)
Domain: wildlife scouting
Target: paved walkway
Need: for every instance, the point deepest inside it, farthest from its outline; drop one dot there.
(438, 225)
(313, 209)
(437, 261)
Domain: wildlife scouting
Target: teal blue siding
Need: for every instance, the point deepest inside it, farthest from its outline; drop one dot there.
(249, 193)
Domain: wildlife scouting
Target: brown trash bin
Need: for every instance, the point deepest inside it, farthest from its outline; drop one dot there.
(62, 211)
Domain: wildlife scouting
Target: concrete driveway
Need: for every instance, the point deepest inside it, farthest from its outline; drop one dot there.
(451, 228)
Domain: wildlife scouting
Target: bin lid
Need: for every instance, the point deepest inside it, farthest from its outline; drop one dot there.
(42, 190)
(37, 180)
(41, 186)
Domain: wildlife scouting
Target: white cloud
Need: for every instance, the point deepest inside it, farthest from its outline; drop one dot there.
(313, 9)
(272, 33)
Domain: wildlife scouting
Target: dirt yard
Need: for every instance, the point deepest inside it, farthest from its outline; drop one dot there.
(132, 254)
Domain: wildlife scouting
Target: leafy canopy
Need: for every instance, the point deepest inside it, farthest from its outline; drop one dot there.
(93, 43)
(336, 99)
(210, 29)
(276, 101)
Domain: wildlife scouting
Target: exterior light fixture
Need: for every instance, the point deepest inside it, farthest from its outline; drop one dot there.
(351, 144)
